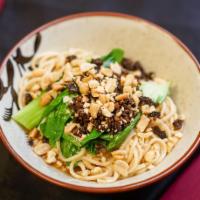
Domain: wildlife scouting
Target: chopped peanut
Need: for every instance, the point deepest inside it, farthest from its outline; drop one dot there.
(103, 98)
(76, 71)
(69, 127)
(86, 67)
(33, 133)
(41, 149)
(93, 84)
(77, 62)
(136, 99)
(127, 89)
(87, 79)
(45, 99)
(100, 89)
(57, 86)
(106, 72)
(83, 87)
(68, 75)
(129, 79)
(51, 157)
(106, 112)
(95, 93)
(94, 109)
(110, 106)
(53, 93)
(111, 85)
(89, 127)
(143, 123)
(122, 96)
(116, 68)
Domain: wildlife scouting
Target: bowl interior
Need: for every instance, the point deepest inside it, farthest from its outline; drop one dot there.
(141, 41)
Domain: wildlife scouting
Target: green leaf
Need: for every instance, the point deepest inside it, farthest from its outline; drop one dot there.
(53, 127)
(69, 145)
(119, 138)
(116, 55)
(155, 91)
(94, 134)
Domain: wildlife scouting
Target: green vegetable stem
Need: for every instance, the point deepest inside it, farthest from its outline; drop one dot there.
(107, 137)
(119, 138)
(94, 134)
(157, 92)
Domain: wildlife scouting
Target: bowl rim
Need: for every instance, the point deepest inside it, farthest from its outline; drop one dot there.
(124, 188)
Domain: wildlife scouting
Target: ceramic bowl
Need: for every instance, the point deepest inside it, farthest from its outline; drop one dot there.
(157, 49)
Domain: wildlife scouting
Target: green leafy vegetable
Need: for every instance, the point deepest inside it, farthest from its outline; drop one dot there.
(107, 137)
(31, 115)
(94, 134)
(155, 91)
(93, 145)
(53, 127)
(119, 138)
(116, 55)
(69, 145)
(71, 139)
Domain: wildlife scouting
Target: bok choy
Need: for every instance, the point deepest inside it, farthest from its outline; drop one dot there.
(31, 115)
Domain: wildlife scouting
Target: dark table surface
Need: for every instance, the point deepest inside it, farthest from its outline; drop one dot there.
(181, 17)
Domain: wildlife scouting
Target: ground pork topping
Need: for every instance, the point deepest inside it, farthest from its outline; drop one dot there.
(157, 131)
(136, 66)
(178, 124)
(110, 117)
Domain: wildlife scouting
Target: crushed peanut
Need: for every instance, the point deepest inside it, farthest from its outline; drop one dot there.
(69, 127)
(106, 72)
(116, 68)
(111, 85)
(106, 112)
(94, 109)
(143, 123)
(41, 148)
(122, 96)
(45, 99)
(93, 84)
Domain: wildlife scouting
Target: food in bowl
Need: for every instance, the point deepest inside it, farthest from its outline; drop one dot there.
(97, 118)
